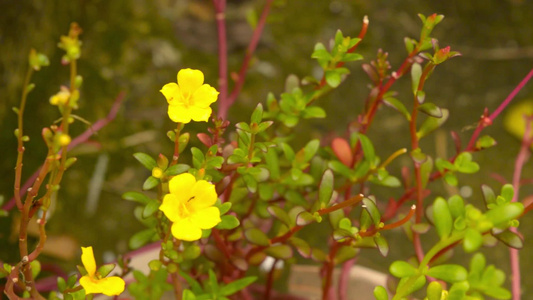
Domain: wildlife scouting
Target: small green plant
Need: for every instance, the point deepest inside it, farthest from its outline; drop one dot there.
(247, 193)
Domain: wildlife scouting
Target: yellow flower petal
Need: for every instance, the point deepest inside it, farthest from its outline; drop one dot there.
(190, 80)
(111, 286)
(185, 230)
(205, 195)
(171, 92)
(181, 183)
(204, 96)
(206, 218)
(179, 113)
(87, 258)
(200, 114)
(171, 207)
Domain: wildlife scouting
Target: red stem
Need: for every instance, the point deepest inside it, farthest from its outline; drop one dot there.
(220, 9)
(498, 110)
(523, 156)
(228, 102)
(270, 280)
(345, 278)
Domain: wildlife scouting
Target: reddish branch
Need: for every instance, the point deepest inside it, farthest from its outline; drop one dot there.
(225, 101)
(521, 159)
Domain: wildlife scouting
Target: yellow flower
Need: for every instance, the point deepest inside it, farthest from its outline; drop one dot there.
(190, 98)
(92, 283)
(190, 207)
(61, 98)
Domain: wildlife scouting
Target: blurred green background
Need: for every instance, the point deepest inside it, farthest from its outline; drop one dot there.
(138, 46)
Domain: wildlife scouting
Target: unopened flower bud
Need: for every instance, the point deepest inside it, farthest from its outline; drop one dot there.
(157, 172)
(64, 139)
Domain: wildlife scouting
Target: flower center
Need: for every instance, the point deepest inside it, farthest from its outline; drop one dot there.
(185, 99)
(186, 209)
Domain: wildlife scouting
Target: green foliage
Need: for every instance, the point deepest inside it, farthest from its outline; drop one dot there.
(269, 186)
(151, 286)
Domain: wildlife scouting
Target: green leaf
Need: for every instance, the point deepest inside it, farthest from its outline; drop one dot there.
(136, 196)
(380, 293)
(256, 237)
(368, 148)
(397, 105)
(418, 284)
(485, 142)
(301, 246)
(416, 73)
(257, 115)
(314, 112)
(510, 239)
(310, 149)
(150, 183)
(325, 190)
(237, 285)
(449, 273)
(224, 208)
(147, 161)
(477, 264)
(35, 266)
(464, 163)
(264, 125)
(456, 205)
(250, 182)
(280, 214)
(333, 78)
(304, 218)
(61, 284)
(176, 169)
(409, 44)
(451, 179)
(104, 270)
(141, 238)
(279, 251)
(507, 192)
(472, 240)
(504, 213)
(373, 210)
(382, 245)
(442, 218)
(432, 123)
(151, 208)
(197, 157)
(321, 54)
(351, 57)
(497, 292)
(287, 150)
(402, 269)
(188, 295)
(434, 291)
(431, 109)
(228, 222)
(418, 156)
(488, 194)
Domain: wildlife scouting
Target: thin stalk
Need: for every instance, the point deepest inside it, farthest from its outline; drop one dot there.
(270, 280)
(521, 159)
(20, 142)
(254, 41)
(220, 7)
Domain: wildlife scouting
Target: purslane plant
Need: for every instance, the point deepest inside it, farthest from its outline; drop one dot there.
(246, 195)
